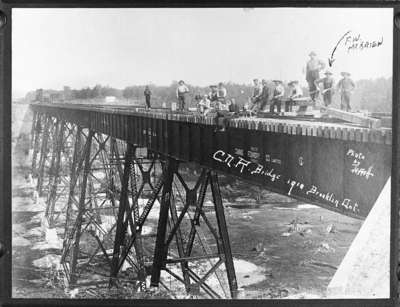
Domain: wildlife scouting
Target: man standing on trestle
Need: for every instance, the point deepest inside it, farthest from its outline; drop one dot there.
(313, 67)
(182, 92)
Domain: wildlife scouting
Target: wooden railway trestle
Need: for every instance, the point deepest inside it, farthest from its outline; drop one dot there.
(95, 184)
(95, 153)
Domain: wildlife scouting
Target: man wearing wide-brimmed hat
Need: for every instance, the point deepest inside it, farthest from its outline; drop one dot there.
(181, 93)
(313, 67)
(279, 91)
(328, 85)
(255, 98)
(346, 87)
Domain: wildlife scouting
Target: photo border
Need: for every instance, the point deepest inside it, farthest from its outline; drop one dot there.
(6, 7)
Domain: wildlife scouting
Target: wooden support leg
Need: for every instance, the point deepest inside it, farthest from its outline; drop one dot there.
(199, 208)
(51, 200)
(36, 141)
(81, 208)
(192, 281)
(123, 208)
(53, 150)
(129, 216)
(180, 245)
(33, 129)
(223, 231)
(43, 157)
(73, 179)
(160, 250)
(137, 231)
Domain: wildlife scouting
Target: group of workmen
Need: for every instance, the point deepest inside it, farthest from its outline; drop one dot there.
(345, 86)
(272, 93)
(215, 100)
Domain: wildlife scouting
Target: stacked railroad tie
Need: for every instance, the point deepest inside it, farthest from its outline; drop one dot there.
(175, 116)
(342, 131)
(318, 129)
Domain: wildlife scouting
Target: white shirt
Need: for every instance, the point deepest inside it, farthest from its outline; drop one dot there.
(182, 89)
(223, 106)
(205, 102)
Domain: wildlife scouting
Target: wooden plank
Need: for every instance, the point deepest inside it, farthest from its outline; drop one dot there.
(353, 117)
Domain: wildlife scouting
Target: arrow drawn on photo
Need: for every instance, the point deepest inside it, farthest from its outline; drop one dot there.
(332, 59)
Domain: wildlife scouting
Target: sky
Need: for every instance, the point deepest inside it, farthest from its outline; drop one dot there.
(121, 47)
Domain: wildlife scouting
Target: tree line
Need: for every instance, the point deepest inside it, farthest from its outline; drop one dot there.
(374, 95)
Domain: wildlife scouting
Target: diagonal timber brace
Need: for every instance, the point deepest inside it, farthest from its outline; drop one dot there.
(131, 215)
(97, 178)
(192, 252)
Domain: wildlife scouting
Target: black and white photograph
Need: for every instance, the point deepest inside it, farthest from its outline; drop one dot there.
(201, 153)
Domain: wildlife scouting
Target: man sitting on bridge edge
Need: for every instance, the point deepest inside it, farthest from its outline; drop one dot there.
(295, 92)
(279, 91)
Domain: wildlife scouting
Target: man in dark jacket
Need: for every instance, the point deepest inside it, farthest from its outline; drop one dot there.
(147, 95)
(313, 67)
(266, 94)
(346, 87)
(279, 92)
(328, 87)
(295, 92)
